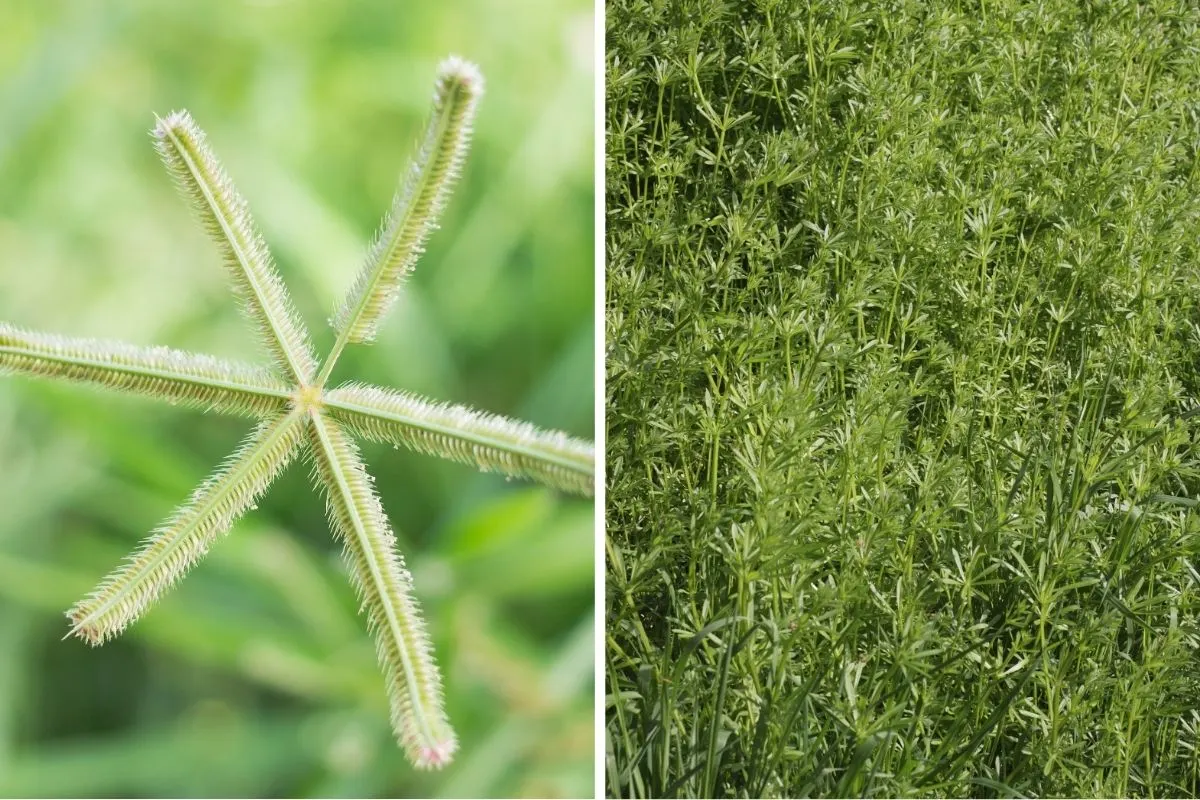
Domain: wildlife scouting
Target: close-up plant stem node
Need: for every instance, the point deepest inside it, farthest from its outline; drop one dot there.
(298, 414)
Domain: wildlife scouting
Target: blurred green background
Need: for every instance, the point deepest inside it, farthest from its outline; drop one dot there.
(255, 676)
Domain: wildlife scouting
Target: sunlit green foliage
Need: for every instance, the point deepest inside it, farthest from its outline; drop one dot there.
(255, 679)
(902, 334)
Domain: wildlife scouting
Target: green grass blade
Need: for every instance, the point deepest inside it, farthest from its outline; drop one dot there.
(216, 201)
(418, 203)
(487, 441)
(198, 381)
(413, 683)
(947, 762)
(168, 552)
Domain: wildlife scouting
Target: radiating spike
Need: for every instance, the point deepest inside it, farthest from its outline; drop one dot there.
(216, 201)
(488, 441)
(176, 376)
(418, 204)
(168, 552)
(385, 587)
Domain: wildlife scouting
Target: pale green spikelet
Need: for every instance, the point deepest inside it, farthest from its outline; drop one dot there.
(198, 381)
(203, 181)
(168, 552)
(418, 203)
(385, 589)
(487, 441)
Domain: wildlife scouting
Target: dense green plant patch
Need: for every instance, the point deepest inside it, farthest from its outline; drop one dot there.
(903, 364)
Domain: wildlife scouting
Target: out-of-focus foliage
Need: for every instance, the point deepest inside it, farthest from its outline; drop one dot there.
(255, 676)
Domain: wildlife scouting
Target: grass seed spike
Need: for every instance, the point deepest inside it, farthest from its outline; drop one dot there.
(298, 414)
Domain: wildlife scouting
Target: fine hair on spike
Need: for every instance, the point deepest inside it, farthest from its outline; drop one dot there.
(175, 546)
(385, 588)
(197, 381)
(486, 441)
(418, 203)
(219, 206)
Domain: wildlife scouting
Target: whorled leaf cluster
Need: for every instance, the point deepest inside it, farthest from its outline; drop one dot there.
(902, 462)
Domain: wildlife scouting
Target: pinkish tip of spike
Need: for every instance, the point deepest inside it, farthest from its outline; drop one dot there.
(437, 756)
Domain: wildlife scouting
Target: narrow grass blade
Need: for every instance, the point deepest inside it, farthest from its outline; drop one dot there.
(417, 205)
(186, 536)
(490, 442)
(203, 181)
(716, 724)
(858, 761)
(197, 381)
(385, 588)
(946, 763)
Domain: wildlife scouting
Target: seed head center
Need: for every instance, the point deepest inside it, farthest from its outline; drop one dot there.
(308, 398)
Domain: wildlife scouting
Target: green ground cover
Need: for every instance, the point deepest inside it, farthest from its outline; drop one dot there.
(903, 363)
(255, 676)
